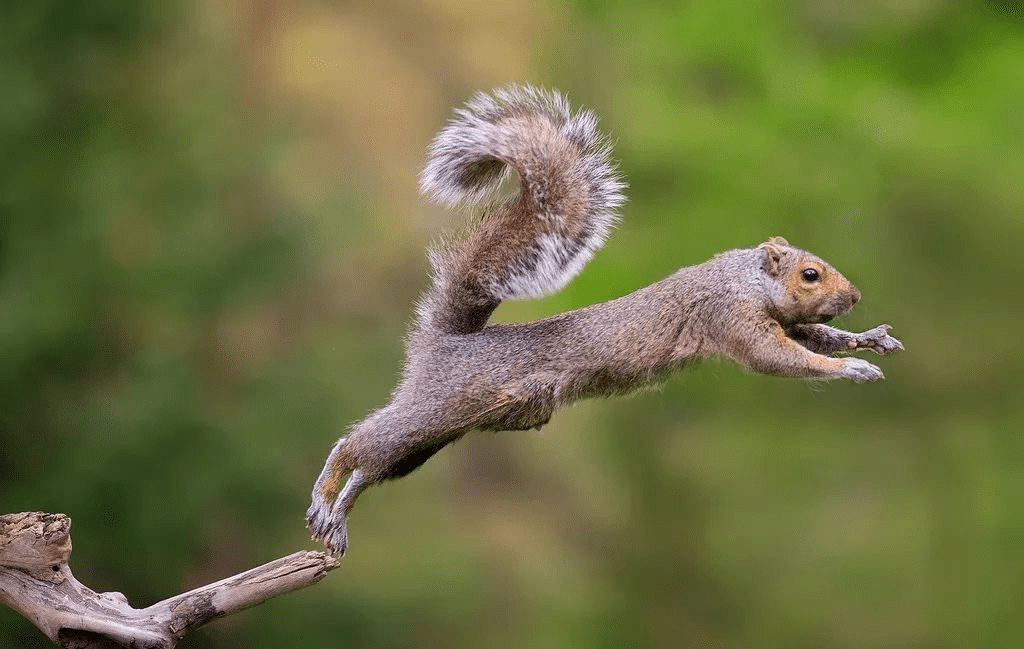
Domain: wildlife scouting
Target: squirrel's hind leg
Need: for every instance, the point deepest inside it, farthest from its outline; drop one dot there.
(329, 509)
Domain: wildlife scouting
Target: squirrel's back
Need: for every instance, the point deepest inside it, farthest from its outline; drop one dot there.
(532, 244)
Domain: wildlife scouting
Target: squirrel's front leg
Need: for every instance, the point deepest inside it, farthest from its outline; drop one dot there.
(773, 352)
(877, 340)
(823, 339)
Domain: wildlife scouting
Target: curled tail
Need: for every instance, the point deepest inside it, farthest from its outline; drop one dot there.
(535, 243)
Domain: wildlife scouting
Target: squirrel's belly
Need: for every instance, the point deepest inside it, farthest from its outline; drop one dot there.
(524, 405)
(518, 419)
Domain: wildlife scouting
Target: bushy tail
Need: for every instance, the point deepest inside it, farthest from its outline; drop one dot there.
(535, 243)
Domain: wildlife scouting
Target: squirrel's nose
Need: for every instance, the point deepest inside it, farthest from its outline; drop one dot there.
(855, 297)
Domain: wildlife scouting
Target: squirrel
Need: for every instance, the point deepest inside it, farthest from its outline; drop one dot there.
(763, 307)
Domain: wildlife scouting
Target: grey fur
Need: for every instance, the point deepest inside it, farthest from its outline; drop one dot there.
(753, 305)
(535, 243)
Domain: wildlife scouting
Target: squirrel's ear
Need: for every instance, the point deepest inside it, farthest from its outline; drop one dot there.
(773, 250)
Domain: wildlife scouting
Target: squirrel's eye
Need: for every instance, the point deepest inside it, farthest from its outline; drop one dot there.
(810, 275)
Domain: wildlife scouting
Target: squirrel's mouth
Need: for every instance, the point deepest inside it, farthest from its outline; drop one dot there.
(835, 308)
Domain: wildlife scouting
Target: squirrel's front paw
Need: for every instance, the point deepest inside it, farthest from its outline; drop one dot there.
(328, 526)
(878, 340)
(860, 370)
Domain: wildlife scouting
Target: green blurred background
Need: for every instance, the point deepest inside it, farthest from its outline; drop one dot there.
(210, 239)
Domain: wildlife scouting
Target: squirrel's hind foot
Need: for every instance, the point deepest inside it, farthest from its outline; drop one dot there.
(327, 516)
(328, 525)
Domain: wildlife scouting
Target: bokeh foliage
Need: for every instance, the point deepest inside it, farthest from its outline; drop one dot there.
(210, 241)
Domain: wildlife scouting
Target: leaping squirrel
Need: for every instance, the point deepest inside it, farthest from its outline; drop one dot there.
(763, 307)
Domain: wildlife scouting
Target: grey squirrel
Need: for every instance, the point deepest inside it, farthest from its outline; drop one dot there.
(763, 307)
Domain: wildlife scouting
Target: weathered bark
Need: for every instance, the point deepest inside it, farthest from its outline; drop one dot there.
(36, 581)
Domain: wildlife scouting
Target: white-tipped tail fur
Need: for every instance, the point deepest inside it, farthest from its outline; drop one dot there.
(535, 243)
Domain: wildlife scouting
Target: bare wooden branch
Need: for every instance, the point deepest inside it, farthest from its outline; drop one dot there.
(36, 581)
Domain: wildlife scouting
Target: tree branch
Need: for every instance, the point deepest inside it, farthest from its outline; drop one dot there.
(36, 581)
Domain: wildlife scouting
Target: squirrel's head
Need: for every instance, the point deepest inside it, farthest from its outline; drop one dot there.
(804, 288)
